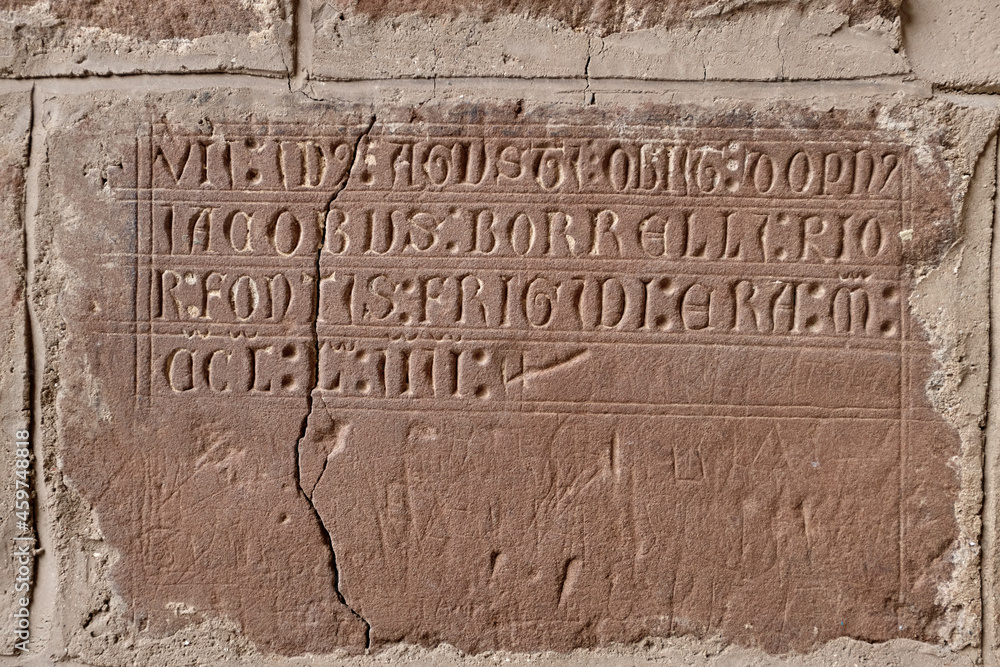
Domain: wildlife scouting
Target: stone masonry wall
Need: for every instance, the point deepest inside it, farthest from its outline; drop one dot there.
(354, 332)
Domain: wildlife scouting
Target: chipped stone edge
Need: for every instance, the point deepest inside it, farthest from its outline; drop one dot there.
(954, 313)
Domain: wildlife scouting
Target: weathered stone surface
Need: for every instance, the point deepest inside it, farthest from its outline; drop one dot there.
(113, 37)
(717, 41)
(351, 46)
(610, 16)
(954, 44)
(15, 114)
(507, 376)
(782, 43)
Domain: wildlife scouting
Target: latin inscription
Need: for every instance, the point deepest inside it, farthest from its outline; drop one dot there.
(463, 267)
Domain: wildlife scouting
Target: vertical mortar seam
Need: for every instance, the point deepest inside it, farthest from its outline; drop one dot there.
(302, 36)
(987, 538)
(28, 392)
(41, 611)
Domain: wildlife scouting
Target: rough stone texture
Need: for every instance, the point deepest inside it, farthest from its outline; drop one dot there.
(780, 43)
(756, 41)
(80, 37)
(351, 46)
(954, 44)
(607, 16)
(337, 409)
(215, 645)
(947, 304)
(182, 19)
(991, 472)
(15, 114)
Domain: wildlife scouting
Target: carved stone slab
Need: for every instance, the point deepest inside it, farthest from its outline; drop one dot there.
(506, 377)
(16, 485)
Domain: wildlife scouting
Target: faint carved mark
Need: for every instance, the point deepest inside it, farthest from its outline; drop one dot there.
(561, 363)
(567, 581)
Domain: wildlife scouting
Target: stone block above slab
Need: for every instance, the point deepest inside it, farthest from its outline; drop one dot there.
(667, 41)
(954, 44)
(79, 38)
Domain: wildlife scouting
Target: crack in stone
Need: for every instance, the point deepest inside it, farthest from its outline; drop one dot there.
(320, 478)
(341, 436)
(781, 55)
(588, 97)
(314, 381)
